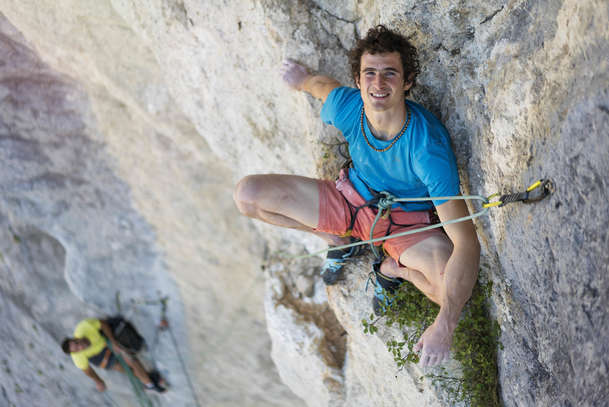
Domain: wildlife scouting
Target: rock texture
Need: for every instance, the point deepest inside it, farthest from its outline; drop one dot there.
(124, 125)
(100, 196)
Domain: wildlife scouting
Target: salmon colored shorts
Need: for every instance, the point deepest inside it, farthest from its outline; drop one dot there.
(337, 202)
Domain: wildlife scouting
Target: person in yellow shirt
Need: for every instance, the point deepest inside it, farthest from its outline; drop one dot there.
(88, 346)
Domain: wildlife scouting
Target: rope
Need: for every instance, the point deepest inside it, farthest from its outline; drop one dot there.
(138, 389)
(110, 400)
(408, 232)
(163, 302)
(192, 389)
(535, 192)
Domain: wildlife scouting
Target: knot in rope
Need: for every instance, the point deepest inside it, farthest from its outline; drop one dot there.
(386, 201)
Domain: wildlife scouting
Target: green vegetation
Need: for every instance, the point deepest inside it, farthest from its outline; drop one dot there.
(474, 344)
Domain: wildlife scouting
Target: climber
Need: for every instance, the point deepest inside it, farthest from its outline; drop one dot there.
(89, 345)
(396, 146)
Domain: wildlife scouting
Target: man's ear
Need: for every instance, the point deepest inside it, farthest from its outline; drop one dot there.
(357, 82)
(408, 82)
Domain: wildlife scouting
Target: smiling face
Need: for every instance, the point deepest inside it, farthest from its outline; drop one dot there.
(381, 82)
(76, 345)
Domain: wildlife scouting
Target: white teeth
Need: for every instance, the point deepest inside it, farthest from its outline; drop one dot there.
(379, 95)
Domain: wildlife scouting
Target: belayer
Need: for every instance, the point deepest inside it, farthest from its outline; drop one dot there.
(396, 146)
(88, 346)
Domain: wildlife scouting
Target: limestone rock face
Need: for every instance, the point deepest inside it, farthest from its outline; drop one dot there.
(125, 124)
(102, 201)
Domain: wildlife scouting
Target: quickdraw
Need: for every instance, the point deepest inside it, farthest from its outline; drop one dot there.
(534, 193)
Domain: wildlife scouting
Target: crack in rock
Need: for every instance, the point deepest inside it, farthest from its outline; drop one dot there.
(491, 16)
(333, 344)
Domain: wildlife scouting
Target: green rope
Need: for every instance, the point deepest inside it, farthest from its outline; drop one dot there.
(390, 200)
(177, 349)
(110, 400)
(138, 389)
(163, 301)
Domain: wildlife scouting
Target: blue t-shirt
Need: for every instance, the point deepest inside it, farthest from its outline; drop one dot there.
(420, 164)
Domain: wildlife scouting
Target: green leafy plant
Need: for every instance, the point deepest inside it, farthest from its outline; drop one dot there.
(474, 345)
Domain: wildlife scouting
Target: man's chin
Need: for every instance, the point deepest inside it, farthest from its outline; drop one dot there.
(377, 105)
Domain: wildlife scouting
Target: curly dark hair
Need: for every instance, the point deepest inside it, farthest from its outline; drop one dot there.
(65, 345)
(380, 39)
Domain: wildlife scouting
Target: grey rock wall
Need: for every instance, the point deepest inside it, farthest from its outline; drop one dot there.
(90, 185)
(124, 125)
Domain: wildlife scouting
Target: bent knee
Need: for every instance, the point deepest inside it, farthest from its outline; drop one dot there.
(244, 195)
(441, 250)
(249, 194)
(429, 256)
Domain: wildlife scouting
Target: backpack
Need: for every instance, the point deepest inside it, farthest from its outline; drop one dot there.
(126, 334)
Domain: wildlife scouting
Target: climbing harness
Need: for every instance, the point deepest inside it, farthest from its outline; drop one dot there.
(384, 200)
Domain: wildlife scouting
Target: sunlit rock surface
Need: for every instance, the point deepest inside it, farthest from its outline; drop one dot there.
(125, 124)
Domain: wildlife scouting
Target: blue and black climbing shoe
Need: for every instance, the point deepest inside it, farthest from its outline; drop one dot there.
(383, 286)
(332, 269)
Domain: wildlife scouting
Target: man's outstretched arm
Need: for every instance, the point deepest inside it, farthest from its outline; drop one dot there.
(297, 76)
(99, 383)
(459, 278)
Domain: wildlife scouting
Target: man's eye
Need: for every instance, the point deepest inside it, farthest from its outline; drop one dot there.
(389, 74)
(369, 73)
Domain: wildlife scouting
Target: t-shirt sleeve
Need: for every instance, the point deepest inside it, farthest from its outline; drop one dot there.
(435, 164)
(340, 107)
(80, 360)
(86, 327)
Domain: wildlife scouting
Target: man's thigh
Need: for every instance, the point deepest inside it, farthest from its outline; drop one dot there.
(292, 196)
(429, 256)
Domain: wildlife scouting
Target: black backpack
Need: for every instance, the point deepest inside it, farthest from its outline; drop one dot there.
(126, 334)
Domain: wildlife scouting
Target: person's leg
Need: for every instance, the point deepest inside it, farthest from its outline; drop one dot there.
(288, 201)
(422, 264)
(138, 370)
(136, 367)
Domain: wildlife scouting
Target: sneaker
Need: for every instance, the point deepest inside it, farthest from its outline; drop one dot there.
(383, 286)
(157, 384)
(332, 269)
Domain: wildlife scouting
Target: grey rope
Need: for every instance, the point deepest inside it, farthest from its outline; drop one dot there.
(162, 301)
(109, 399)
(192, 389)
(389, 200)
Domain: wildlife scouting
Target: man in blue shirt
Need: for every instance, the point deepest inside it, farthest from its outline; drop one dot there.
(396, 146)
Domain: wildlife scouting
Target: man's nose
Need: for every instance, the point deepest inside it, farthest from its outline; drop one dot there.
(379, 80)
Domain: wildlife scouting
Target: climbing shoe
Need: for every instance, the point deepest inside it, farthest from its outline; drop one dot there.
(332, 269)
(383, 286)
(157, 383)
